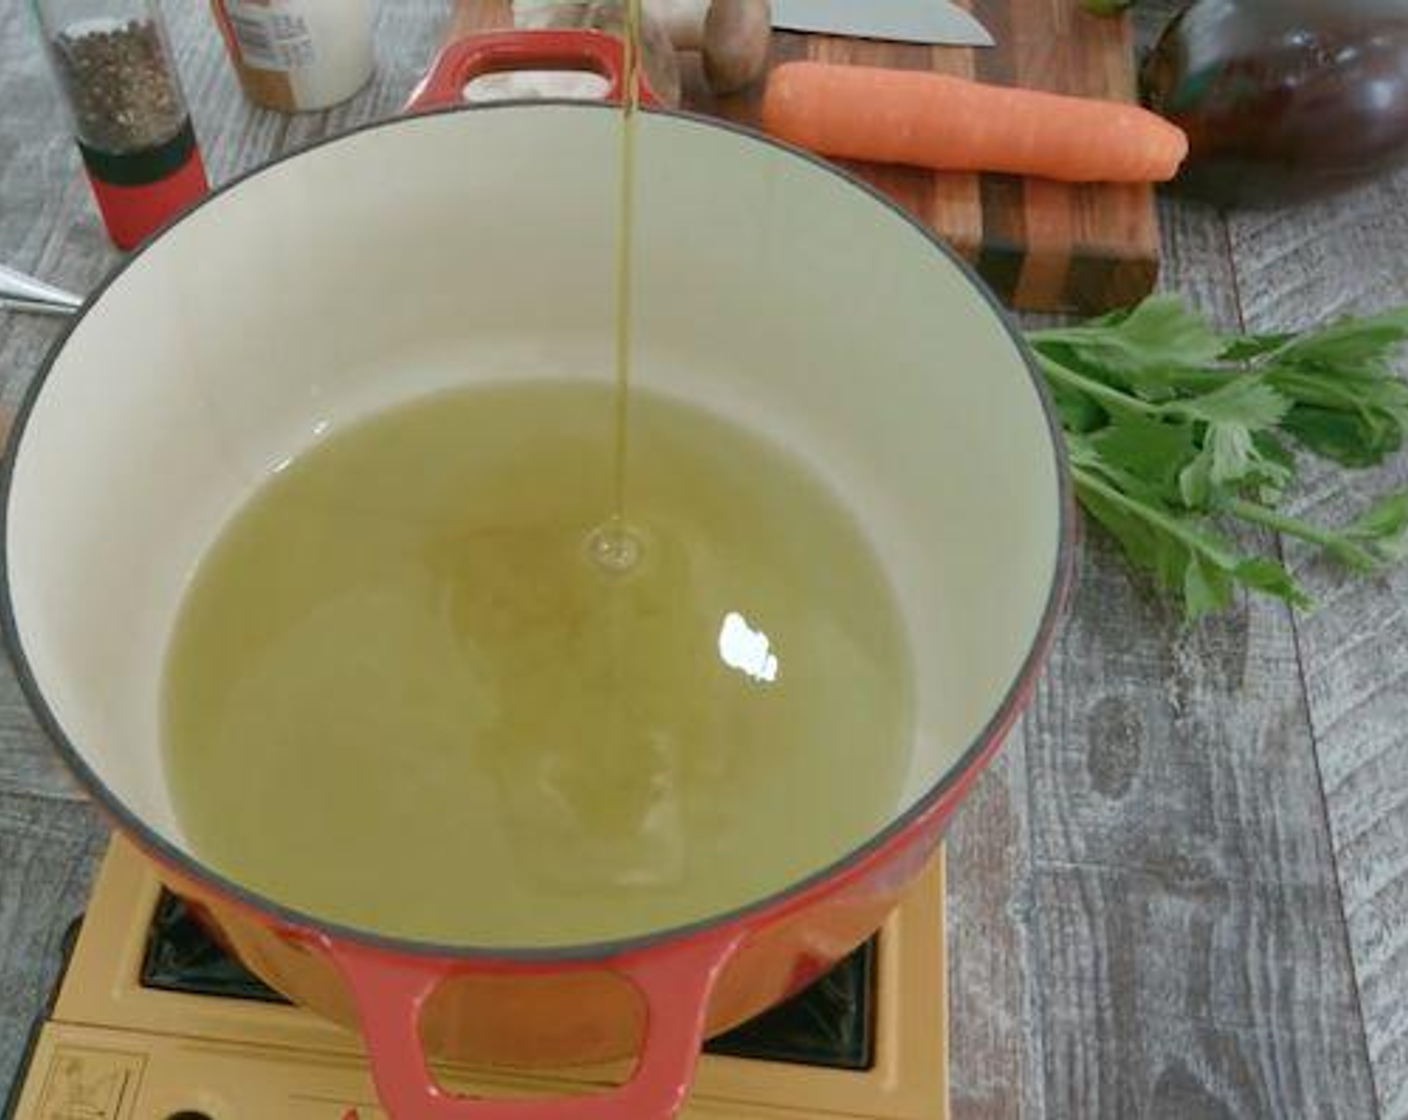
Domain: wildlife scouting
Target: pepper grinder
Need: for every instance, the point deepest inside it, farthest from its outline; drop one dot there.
(115, 68)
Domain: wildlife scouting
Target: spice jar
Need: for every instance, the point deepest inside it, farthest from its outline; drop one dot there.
(298, 55)
(114, 65)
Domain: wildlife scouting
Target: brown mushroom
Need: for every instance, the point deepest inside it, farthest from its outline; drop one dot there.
(732, 35)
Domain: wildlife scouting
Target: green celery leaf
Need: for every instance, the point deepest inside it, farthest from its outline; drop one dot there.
(1140, 543)
(1237, 459)
(1270, 448)
(1195, 486)
(1355, 415)
(1207, 588)
(1351, 341)
(1352, 439)
(1229, 463)
(1077, 411)
(1277, 467)
(1269, 577)
(1162, 331)
(1085, 454)
(1249, 346)
(1138, 350)
(1072, 358)
(1382, 530)
(1237, 451)
(1232, 452)
(1178, 550)
(1363, 384)
(1173, 429)
(1156, 451)
(1360, 388)
(1248, 401)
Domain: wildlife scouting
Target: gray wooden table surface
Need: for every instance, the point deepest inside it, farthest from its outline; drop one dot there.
(1182, 892)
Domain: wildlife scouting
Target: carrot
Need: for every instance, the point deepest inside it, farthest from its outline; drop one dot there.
(951, 124)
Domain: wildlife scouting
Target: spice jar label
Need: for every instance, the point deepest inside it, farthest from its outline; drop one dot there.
(270, 39)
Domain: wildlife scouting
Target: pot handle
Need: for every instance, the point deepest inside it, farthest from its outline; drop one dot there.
(493, 52)
(390, 990)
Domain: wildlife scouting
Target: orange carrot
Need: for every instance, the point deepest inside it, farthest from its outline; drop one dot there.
(951, 124)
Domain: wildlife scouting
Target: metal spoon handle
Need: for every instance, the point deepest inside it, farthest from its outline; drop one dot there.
(19, 292)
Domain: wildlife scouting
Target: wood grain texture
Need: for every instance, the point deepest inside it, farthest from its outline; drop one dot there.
(48, 853)
(1190, 946)
(1144, 916)
(995, 1030)
(1296, 267)
(1041, 245)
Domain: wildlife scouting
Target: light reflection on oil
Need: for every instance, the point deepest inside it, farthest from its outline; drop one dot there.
(748, 650)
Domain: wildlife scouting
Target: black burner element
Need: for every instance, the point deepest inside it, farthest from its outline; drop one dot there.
(830, 1024)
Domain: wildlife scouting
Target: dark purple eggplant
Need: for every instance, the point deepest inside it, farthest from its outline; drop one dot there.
(1283, 100)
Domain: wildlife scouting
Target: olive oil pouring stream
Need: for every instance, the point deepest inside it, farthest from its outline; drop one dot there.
(615, 545)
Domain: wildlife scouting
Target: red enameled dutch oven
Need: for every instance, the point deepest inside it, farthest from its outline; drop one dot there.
(475, 244)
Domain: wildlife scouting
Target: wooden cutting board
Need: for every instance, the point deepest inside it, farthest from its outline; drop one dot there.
(1043, 246)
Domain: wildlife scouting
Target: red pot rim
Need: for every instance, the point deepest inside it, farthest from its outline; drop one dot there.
(950, 785)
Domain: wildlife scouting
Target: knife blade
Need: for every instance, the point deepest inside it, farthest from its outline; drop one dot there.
(933, 22)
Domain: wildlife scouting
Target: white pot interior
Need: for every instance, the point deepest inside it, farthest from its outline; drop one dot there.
(479, 246)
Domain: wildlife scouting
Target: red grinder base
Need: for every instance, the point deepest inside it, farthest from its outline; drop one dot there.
(133, 213)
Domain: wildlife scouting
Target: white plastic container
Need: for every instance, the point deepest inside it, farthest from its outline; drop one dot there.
(298, 55)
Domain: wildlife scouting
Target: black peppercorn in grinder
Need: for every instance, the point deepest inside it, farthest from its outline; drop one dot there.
(115, 68)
